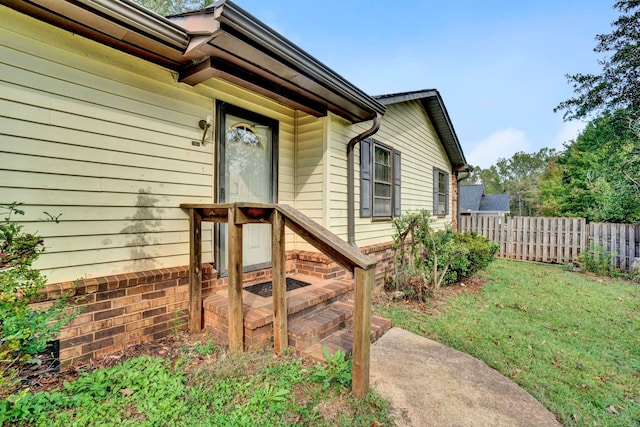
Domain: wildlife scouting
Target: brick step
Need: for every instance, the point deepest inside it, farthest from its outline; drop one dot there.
(258, 311)
(343, 339)
(307, 330)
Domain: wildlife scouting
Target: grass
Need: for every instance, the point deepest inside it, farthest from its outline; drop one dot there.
(571, 340)
(203, 386)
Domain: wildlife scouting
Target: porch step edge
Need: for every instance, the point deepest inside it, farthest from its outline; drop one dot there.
(298, 304)
(313, 327)
(343, 339)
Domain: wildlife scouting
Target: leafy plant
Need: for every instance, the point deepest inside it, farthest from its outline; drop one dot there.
(24, 330)
(254, 389)
(427, 259)
(598, 260)
(337, 370)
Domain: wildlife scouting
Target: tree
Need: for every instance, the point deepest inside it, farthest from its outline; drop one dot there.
(598, 174)
(519, 176)
(618, 85)
(173, 7)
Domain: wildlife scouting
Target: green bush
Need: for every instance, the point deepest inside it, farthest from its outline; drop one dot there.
(598, 260)
(427, 259)
(24, 331)
(479, 252)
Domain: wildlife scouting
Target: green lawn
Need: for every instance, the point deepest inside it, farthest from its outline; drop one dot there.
(203, 386)
(571, 340)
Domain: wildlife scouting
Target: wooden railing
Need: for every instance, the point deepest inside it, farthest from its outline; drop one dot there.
(279, 216)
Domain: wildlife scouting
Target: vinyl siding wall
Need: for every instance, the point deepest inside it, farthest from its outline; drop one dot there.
(311, 172)
(405, 127)
(103, 142)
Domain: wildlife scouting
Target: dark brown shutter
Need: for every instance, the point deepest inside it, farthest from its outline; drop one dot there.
(435, 191)
(397, 208)
(446, 183)
(365, 178)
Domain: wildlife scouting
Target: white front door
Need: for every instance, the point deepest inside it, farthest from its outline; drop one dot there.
(247, 164)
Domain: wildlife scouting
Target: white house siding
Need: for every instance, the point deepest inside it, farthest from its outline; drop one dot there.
(103, 141)
(407, 128)
(340, 132)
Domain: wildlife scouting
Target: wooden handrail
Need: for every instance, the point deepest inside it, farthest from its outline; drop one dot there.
(237, 214)
(324, 240)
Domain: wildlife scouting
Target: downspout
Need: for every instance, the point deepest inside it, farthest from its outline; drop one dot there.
(351, 204)
(467, 169)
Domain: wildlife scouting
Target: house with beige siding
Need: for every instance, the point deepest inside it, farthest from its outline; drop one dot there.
(117, 122)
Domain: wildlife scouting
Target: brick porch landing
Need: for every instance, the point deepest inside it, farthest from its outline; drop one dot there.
(319, 316)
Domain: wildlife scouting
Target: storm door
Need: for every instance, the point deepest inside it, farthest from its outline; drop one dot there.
(247, 172)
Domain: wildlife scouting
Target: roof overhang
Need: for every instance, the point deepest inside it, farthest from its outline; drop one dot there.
(123, 25)
(437, 112)
(229, 43)
(222, 41)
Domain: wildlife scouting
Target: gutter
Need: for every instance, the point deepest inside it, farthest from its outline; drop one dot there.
(456, 172)
(351, 216)
(143, 20)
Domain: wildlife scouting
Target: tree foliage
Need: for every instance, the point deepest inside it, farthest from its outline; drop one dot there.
(598, 175)
(173, 7)
(518, 176)
(618, 84)
(24, 329)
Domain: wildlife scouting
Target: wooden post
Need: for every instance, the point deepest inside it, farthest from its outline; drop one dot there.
(362, 332)
(195, 271)
(279, 284)
(236, 319)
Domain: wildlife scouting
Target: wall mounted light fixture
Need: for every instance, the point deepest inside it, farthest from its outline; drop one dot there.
(205, 125)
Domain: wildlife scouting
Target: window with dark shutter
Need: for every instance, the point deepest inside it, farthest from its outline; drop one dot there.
(380, 181)
(440, 192)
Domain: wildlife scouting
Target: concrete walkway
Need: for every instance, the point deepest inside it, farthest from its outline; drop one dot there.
(430, 384)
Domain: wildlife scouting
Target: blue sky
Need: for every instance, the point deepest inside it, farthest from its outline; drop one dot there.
(498, 64)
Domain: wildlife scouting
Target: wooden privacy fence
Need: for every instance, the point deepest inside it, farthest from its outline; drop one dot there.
(622, 240)
(557, 240)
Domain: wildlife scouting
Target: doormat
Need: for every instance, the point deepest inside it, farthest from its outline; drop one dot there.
(265, 289)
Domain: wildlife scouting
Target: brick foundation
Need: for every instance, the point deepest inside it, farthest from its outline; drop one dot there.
(126, 309)
(118, 311)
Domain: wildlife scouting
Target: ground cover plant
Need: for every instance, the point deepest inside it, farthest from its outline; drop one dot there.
(569, 339)
(189, 380)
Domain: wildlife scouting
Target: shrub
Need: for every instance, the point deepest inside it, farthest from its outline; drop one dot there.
(24, 331)
(480, 251)
(598, 260)
(427, 259)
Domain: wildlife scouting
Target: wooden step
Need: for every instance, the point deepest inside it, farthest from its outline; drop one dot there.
(307, 330)
(343, 339)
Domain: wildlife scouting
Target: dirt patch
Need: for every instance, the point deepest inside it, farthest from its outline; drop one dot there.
(171, 348)
(431, 307)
